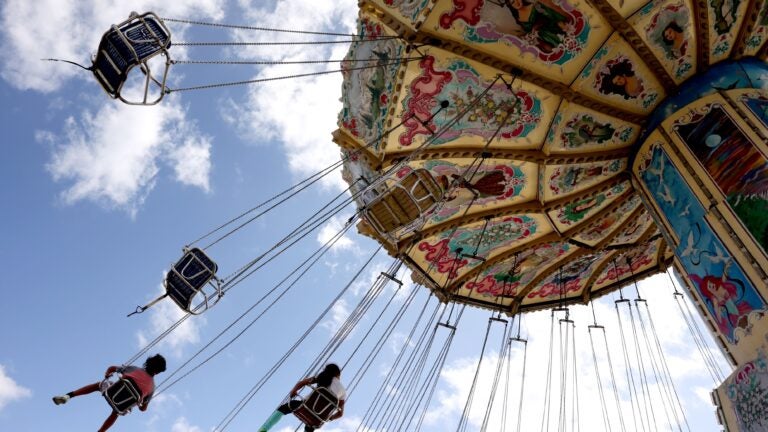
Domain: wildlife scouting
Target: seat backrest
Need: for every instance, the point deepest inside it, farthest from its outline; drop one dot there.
(188, 276)
(123, 395)
(317, 408)
(404, 202)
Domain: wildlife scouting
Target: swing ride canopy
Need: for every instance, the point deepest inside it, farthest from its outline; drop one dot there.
(547, 101)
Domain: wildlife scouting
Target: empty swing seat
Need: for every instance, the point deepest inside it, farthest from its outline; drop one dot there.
(404, 202)
(127, 45)
(122, 395)
(317, 408)
(188, 278)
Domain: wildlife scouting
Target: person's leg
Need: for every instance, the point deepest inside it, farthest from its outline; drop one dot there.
(282, 410)
(90, 388)
(275, 417)
(109, 421)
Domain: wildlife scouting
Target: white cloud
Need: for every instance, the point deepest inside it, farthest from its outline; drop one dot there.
(301, 113)
(10, 391)
(113, 157)
(71, 30)
(162, 316)
(192, 160)
(339, 313)
(331, 229)
(690, 378)
(182, 425)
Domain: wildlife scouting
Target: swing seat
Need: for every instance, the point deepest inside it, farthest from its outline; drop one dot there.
(127, 45)
(405, 202)
(122, 395)
(192, 282)
(317, 408)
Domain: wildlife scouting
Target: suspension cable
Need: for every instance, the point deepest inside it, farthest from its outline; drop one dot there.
(283, 43)
(297, 272)
(429, 384)
(464, 420)
(497, 375)
(169, 90)
(364, 303)
(389, 376)
(522, 378)
(698, 337)
(407, 383)
(547, 386)
(662, 384)
(628, 368)
(281, 62)
(263, 29)
(645, 389)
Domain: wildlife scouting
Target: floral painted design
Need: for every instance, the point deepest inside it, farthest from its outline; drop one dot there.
(465, 90)
(747, 389)
(628, 263)
(410, 9)
(604, 226)
(506, 278)
(552, 30)
(445, 254)
(576, 211)
(568, 280)
(565, 179)
(366, 93)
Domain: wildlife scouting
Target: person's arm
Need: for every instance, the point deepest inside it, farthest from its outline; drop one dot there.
(145, 402)
(111, 370)
(300, 384)
(339, 412)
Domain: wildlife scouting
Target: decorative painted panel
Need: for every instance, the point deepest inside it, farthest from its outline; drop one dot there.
(747, 392)
(712, 135)
(439, 254)
(563, 180)
(730, 298)
(410, 12)
(492, 184)
(755, 104)
(368, 92)
(755, 40)
(566, 282)
(668, 28)
(725, 17)
(551, 37)
(577, 129)
(508, 277)
(634, 230)
(572, 214)
(473, 114)
(618, 77)
(632, 261)
(627, 7)
(604, 226)
(358, 174)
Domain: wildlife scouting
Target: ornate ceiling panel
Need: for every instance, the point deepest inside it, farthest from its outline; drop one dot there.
(522, 117)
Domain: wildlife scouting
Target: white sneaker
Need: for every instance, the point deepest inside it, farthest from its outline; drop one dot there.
(58, 400)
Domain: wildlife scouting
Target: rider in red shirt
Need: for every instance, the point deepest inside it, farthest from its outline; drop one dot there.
(141, 376)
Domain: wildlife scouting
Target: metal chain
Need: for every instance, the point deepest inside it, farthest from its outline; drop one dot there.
(285, 43)
(266, 62)
(241, 27)
(260, 80)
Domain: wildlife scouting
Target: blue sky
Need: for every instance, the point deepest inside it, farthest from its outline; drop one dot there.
(100, 197)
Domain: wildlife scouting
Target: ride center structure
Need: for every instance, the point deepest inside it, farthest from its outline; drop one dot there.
(530, 154)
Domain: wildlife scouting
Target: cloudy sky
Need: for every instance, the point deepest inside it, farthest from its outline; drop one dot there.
(100, 197)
